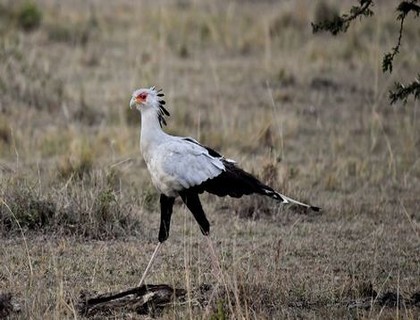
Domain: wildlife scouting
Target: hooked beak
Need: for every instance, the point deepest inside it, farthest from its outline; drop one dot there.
(133, 102)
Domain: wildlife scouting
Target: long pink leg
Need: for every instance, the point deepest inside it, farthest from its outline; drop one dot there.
(215, 259)
(149, 264)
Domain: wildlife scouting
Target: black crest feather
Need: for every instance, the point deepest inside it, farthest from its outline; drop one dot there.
(162, 110)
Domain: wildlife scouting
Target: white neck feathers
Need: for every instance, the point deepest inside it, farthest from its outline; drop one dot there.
(151, 132)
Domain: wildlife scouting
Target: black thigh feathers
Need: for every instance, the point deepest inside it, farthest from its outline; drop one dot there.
(166, 205)
(192, 201)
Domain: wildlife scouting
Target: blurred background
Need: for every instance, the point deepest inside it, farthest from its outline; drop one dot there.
(307, 113)
(248, 76)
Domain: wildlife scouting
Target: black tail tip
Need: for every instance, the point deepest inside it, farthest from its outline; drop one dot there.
(316, 209)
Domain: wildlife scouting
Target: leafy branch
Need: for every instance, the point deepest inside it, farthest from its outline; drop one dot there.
(401, 92)
(338, 24)
(341, 23)
(403, 9)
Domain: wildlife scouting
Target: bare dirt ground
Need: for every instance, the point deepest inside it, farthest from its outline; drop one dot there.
(309, 114)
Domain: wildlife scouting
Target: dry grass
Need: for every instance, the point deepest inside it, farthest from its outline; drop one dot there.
(309, 114)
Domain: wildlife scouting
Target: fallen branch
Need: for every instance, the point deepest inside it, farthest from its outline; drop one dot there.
(141, 300)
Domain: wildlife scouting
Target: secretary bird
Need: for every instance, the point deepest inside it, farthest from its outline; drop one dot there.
(181, 166)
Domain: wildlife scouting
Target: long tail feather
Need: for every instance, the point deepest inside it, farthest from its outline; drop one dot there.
(285, 199)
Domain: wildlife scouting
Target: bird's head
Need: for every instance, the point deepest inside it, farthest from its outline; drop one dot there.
(143, 99)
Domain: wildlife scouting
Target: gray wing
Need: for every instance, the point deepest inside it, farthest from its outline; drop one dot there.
(186, 163)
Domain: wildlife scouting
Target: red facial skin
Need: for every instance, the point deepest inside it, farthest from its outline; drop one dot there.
(141, 97)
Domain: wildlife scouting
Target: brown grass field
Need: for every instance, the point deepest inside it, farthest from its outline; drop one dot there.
(308, 114)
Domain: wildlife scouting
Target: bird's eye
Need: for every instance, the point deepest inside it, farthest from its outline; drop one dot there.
(142, 96)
